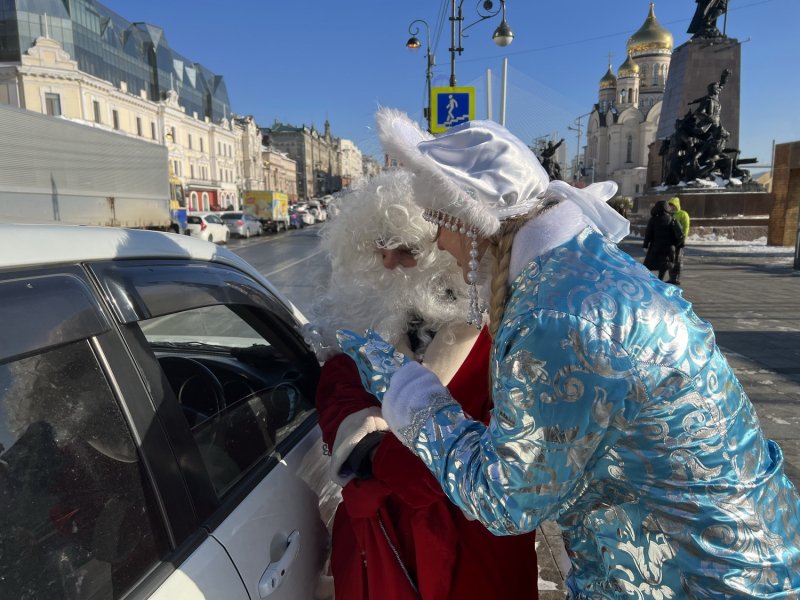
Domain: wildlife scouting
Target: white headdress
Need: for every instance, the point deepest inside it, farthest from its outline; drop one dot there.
(475, 175)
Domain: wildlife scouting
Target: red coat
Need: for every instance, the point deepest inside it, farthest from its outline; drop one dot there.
(448, 556)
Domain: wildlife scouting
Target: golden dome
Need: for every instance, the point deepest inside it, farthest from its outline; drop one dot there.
(651, 36)
(629, 68)
(608, 80)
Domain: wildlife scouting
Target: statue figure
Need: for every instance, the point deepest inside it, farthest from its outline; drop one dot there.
(549, 162)
(709, 107)
(704, 22)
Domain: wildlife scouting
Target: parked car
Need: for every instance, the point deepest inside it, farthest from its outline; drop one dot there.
(305, 215)
(295, 219)
(158, 437)
(316, 209)
(242, 224)
(207, 226)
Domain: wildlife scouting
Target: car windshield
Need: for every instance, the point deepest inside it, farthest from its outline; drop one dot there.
(231, 216)
(214, 328)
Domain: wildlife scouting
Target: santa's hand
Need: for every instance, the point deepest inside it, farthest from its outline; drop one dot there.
(377, 360)
(415, 395)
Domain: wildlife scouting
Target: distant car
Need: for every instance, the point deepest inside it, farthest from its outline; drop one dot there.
(242, 224)
(207, 226)
(159, 438)
(305, 214)
(316, 208)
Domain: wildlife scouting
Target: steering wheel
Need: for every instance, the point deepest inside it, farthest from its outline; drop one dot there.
(197, 389)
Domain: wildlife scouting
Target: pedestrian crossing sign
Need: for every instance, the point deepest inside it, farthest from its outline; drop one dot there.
(451, 106)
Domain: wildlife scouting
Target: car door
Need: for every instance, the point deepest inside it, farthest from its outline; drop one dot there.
(229, 358)
(92, 502)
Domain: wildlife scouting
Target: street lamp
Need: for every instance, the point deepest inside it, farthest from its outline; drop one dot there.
(414, 44)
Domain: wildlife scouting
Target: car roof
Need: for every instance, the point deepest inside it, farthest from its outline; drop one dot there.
(43, 245)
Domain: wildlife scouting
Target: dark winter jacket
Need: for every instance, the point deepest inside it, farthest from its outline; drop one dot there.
(662, 237)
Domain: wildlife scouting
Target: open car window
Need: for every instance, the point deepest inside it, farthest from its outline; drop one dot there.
(241, 396)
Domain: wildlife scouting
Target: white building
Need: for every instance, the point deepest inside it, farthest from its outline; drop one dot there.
(623, 123)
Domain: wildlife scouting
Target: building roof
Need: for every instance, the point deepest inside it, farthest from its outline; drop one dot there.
(651, 36)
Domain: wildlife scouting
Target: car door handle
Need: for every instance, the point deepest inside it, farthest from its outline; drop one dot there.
(273, 576)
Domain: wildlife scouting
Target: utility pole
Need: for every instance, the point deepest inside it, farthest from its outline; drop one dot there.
(579, 130)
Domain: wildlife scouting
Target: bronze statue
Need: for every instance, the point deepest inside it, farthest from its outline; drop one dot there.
(697, 149)
(704, 22)
(548, 161)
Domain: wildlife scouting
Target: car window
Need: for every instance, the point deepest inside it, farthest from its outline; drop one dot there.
(79, 519)
(241, 395)
(213, 219)
(194, 220)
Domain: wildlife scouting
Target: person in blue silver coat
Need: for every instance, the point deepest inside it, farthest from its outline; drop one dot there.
(616, 415)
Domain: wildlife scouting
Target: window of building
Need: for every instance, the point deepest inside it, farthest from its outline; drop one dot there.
(202, 147)
(96, 107)
(190, 141)
(191, 171)
(115, 118)
(153, 134)
(174, 135)
(629, 150)
(52, 104)
(139, 126)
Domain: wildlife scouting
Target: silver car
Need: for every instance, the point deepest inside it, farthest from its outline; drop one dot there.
(242, 224)
(158, 437)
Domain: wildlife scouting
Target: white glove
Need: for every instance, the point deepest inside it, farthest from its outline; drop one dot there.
(415, 394)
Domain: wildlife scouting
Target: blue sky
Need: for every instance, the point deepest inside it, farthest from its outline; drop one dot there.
(303, 61)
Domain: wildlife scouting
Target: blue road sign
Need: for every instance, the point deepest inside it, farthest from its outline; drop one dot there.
(451, 106)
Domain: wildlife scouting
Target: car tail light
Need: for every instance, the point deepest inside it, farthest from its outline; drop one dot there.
(239, 222)
(203, 226)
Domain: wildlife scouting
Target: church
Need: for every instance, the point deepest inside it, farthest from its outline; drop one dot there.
(623, 123)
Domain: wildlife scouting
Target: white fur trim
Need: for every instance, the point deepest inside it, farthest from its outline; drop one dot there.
(352, 430)
(449, 349)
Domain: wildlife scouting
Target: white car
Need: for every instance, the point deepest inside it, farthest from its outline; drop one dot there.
(305, 214)
(158, 437)
(316, 209)
(207, 226)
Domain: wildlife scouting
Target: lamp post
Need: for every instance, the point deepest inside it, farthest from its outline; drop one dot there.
(414, 43)
(502, 36)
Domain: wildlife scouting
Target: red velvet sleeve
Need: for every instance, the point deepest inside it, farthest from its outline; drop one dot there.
(339, 394)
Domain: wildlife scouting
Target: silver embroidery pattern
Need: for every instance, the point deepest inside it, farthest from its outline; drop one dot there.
(409, 434)
(616, 415)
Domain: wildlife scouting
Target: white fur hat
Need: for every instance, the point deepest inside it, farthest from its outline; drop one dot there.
(481, 174)
(478, 172)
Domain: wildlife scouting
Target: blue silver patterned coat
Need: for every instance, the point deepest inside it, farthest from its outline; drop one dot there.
(617, 416)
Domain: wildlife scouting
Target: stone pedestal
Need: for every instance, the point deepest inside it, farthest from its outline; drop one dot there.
(783, 218)
(737, 215)
(694, 65)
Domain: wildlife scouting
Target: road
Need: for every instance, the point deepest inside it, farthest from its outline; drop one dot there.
(292, 261)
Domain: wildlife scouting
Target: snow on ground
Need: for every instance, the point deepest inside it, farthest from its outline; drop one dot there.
(710, 242)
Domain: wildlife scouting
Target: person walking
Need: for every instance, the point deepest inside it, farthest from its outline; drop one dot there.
(683, 219)
(662, 238)
(615, 412)
(396, 536)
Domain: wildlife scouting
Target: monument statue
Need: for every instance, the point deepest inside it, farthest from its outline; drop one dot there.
(704, 22)
(547, 158)
(697, 149)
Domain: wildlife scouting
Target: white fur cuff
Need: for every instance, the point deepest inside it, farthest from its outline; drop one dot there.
(352, 430)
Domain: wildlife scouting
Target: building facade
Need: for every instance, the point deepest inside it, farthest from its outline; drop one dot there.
(120, 80)
(623, 123)
(350, 162)
(316, 155)
(280, 172)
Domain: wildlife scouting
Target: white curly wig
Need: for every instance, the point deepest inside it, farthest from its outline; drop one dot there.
(362, 293)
